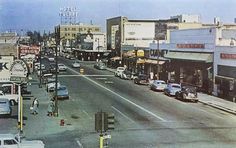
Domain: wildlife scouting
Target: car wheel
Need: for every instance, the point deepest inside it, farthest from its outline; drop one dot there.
(184, 96)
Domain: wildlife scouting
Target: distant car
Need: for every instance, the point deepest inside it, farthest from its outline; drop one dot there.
(141, 79)
(52, 68)
(187, 93)
(51, 59)
(42, 67)
(71, 57)
(45, 77)
(100, 66)
(127, 75)
(119, 71)
(5, 107)
(67, 56)
(62, 67)
(158, 85)
(76, 64)
(62, 92)
(43, 71)
(36, 65)
(171, 89)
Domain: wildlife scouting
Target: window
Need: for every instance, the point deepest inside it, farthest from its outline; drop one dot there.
(9, 142)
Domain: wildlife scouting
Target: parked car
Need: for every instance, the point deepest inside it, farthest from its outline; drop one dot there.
(5, 107)
(62, 92)
(45, 77)
(76, 64)
(14, 141)
(119, 71)
(171, 89)
(141, 79)
(158, 85)
(100, 66)
(13, 98)
(62, 67)
(126, 75)
(52, 85)
(187, 93)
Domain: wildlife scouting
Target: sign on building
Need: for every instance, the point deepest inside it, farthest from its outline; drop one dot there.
(19, 71)
(5, 65)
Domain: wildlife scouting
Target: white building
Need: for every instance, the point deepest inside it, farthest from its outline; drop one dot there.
(200, 56)
(187, 18)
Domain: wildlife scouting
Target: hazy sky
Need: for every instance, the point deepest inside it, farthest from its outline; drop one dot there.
(44, 14)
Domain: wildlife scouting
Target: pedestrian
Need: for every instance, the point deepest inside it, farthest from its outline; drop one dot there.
(50, 108)
(35, 105)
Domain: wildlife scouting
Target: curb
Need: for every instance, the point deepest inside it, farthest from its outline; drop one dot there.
(218, 107)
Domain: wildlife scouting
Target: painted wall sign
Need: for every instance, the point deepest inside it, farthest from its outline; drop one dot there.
(227, 56)
(190, 46)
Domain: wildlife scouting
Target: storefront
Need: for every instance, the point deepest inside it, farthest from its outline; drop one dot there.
(190, 68)
(225, 72)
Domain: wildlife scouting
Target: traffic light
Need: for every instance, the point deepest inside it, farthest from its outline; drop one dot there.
(109, 123)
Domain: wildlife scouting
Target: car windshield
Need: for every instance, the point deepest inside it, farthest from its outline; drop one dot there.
(175, 86)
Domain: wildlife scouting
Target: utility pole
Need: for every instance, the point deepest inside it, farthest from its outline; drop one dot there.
(55, 96)
(158, 56)
(40, 69)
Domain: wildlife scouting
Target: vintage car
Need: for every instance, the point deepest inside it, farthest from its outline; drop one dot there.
(187, 93)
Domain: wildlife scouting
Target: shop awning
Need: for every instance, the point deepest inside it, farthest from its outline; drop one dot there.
(140, 61)
(201, 57)
(115, 58)
(150, 61)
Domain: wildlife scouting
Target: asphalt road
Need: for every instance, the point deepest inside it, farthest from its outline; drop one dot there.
(143, 118)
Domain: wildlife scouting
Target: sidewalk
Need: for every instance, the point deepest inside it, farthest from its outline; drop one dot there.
(212, 101)
(37, 126)
(218, 103)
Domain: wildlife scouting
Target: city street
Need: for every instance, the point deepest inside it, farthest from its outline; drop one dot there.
(143, 118)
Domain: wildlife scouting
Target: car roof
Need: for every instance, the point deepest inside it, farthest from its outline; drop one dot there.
(4, 99)
(6, 136)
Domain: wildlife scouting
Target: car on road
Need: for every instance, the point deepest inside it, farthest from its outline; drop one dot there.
(62, 92)
(76, 64)
(42, 67)
(51, 59)
(141, 79)
(119, 71)
(171, 89)
(62, 67)
(14, 141)
(187, 93)
(158, 85)
(100, 66)
(127, 75)
(5, 107)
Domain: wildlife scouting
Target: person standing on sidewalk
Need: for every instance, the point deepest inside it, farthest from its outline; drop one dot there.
(35, 106)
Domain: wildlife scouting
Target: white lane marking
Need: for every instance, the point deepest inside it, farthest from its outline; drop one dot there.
(87, 114)
(109, 82)
(101, 78)
(79, 143)
(138, 106)
(85, 75)
(123, 114)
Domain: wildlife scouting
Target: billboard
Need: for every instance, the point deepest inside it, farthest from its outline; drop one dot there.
(5, 65)
(139, 34)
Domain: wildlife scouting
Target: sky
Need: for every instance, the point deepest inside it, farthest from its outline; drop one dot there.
(40, 15)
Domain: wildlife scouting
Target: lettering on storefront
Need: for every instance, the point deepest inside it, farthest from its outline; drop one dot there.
(227, 56)
(190, 46)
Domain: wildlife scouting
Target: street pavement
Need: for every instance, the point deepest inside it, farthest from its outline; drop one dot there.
(210, 100)
(39, 126)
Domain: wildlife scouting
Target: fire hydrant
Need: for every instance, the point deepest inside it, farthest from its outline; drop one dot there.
(62, 122)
